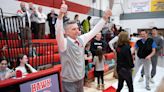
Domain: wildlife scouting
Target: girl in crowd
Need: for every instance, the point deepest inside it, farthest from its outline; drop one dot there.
(23, 65)
(99, 60)
(124, 62)
(87, 56)
(5, 72)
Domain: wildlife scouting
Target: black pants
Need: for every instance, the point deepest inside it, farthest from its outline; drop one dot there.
(124, 75)
(100, 74)
(34, 29)
(52, 30)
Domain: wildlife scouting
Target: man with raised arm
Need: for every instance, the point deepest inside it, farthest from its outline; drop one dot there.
(71, 49)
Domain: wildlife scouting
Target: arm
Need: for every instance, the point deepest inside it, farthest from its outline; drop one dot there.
(31, 68)
(60, 32)
(151, 54)
(9, 74)
(94, 60)
(48, 17)
(159, 47)
(154, 46)
(88, 36)
(87, 57)
(111, 43)
(38, 15)
(20, 13)
(45, 17)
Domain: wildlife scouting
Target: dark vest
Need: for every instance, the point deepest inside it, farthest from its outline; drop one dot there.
(144, 49)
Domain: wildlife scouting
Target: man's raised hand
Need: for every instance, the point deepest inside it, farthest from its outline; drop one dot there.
(63, 9)
(107, 14)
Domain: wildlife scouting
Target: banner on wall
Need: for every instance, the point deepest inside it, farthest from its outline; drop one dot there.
(157, 5)
(140, 6)
(45, 84)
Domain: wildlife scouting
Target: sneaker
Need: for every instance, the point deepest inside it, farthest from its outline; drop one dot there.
(103, 86)
(151, 80)
(141, 79)
(148, 88)
(98, 86)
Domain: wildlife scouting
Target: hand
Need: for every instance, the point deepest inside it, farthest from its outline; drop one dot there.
(107, 14)
(52, 15)
(90, 54)
(148, 58)
(113, 50)
(100, 47)
(63, 10)
(4, 47)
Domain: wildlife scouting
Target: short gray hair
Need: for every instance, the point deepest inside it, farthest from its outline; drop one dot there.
(69, 23)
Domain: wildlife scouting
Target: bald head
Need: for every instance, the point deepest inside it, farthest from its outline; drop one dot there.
(40, 9)
(31, 6)
(23, 6)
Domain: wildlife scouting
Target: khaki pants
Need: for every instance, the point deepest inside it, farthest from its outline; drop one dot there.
(25, 35)
(41, 30)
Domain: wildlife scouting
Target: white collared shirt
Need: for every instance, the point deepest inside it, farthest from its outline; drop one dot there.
(41, 17)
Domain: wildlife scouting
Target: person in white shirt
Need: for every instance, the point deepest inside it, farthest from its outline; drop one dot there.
(23, 66)
(24, 24)
(71, 50)
(33, 18)
(112, 42)
(41, 20)
(24, 13)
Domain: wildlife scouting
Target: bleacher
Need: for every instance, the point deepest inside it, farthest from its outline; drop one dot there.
(41, 52)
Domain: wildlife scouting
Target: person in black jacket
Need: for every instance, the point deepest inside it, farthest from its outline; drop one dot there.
(145, 50)
(52, 16)
(124, 62)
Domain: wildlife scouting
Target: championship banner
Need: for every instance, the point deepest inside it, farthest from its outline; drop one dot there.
(140, 6)
(46, 84)
(157, 5)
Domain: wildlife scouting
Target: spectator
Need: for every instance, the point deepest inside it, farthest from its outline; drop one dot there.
(25, 32)
(99, 61)
(65, 18)
(33, 18)
(22, 64)
(5, 72)
(23, 12)
(124, 62)
(145, 50)
(88, 57)
(115, 31)
(71, 50)
(113, 41)
(76, 18)
(86, 25)
(51, 18)
(154, 59)
(41, 20)
(97, 43)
